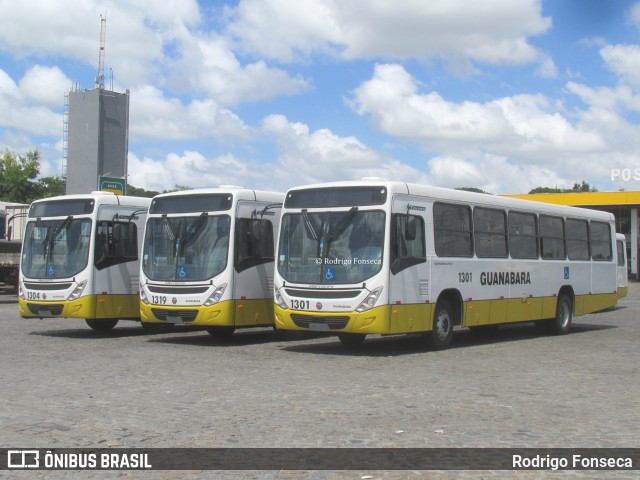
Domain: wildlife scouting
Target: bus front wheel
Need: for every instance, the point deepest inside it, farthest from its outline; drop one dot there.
(102, 324)
(441, 332)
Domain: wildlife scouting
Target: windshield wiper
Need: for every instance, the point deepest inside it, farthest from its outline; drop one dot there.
(168, 227)
(311, 227)
(340, 227)
(194, 230)
(51, 241)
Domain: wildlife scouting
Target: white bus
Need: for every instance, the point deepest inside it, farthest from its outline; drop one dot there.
(80, 258)
(382, 257)
(208, 258)
(623, 269)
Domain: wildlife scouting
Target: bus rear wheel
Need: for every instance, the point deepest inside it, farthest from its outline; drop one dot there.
(561, 324)
(352, 338)
(101, 324)
(441, 332)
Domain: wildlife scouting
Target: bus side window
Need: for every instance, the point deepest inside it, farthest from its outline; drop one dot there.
(407, 242)
(601, 241)
(452, 230)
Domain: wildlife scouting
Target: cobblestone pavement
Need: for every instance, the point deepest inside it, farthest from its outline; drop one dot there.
(64, 385)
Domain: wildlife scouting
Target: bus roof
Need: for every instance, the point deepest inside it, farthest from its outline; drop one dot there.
(452, 195)
(102, 198)
(239, 193)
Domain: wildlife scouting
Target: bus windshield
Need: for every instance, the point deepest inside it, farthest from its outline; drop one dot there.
(55, 248)
(331, 247)
(186, 248)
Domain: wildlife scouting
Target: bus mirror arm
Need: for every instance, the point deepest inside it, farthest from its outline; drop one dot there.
(265, 210)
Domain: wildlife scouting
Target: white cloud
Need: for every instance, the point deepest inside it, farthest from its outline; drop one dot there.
(153, 116)
(18, 113)
(192, 169)
(624, 61)
(526, 127)
(46, 85)
(304, 157)
(493, 31)
(322, 156)
(214, 69)
(634, 15)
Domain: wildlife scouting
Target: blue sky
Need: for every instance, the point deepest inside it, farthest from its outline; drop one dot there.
(503, 95)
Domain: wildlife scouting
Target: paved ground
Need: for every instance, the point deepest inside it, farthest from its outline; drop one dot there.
(64, 385)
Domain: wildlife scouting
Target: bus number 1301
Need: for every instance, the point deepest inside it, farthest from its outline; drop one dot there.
(465, 277)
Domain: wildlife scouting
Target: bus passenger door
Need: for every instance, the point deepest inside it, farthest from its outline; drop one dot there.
(254, 266)
(409, 272)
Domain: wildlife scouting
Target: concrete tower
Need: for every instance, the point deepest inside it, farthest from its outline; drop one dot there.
(97, 133)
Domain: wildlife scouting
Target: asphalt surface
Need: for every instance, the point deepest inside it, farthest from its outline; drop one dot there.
(65, 385)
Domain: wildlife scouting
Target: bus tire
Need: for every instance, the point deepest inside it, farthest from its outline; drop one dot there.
(352, 339)
(561, 324)
(439, 338)
(221, 332)
(101, 324)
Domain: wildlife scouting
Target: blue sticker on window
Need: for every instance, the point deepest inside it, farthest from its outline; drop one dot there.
(330, 274)
(182, 273)
(51, 271)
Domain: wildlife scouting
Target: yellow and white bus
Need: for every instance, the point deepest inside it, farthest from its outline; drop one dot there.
(208, 258)
(382, 257)
(80, 258)
(623, 269)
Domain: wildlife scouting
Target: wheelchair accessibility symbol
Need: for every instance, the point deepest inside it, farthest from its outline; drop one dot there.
(329, 274)
(51, 271)
(182, 273)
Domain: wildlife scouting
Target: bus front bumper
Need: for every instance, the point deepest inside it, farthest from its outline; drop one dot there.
(121, 306)
(373, 321)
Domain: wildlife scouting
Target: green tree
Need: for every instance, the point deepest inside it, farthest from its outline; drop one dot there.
(140, 192)
(50, 187)
(177, 188)
(577, 187)
(472, 189)
(17, 173)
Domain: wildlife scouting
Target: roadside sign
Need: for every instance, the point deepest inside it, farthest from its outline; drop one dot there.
(112, 184)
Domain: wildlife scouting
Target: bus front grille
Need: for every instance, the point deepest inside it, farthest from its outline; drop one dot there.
(334, 323)
(47, 286)
(45, 310)
(184, 315)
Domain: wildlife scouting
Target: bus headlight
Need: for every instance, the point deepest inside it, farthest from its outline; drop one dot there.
(78, 291)
(279, 300)
(143, 296)
(216, 295)
(21, 292)
(370, 301)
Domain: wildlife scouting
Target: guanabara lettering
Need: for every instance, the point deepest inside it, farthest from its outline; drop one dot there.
(505, 278)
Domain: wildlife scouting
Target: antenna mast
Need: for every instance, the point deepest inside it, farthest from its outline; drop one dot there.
(103, 33)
